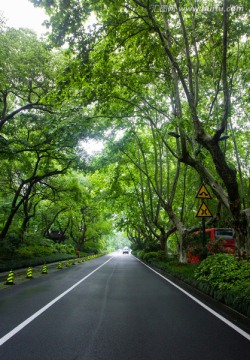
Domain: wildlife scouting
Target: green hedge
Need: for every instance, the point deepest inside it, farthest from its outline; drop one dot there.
(23, 263)
(226, 279)
(148, 256)
(223, 271)
(220, 276)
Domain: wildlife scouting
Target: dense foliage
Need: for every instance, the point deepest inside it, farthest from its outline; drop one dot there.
(164, 89)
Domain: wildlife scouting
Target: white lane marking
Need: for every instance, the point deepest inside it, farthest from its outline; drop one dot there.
(39, 312)
(229, 323)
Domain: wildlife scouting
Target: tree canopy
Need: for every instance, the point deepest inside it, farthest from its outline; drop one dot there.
(164, 85)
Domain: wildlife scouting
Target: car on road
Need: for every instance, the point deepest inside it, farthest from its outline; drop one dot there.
(125, 250)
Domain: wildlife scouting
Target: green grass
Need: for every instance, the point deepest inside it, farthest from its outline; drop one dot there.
(173, 267)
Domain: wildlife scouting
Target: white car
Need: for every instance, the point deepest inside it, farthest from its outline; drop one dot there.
(125, 250)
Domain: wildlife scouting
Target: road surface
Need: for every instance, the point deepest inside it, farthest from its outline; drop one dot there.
(111, 308)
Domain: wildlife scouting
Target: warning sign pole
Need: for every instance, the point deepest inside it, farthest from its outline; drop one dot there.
(204, 245)
(203, 212)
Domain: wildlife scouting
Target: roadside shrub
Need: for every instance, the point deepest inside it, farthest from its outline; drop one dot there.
(46, 242)
(56, 248)
(7, 249)
(70, 249)
(134, 252)
(239, 298)
(31, 238)
(140, 254)
(223, 271)
(149, 255)
(59, 248)
(39, 250)
(9, 245)
(25, 252)
(63, 249)
(161, 254)
(34, 261)
(28, 252)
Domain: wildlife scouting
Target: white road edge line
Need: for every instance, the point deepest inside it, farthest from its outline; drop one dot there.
(43, 309)
(229, 323)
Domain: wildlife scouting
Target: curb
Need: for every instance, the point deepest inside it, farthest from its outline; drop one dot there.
(21, 274)
(232, 315)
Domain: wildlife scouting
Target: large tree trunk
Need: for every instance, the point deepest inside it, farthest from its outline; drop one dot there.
(228, 175)
(179, 226)
(16, 204)
(242, 234)
(183, 253)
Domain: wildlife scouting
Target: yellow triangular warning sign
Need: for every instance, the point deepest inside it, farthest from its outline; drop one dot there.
(203, 193)
(203, 211)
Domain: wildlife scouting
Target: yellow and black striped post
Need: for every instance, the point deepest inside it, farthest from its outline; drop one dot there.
(44, 269)
(60, 266)
(10, 278)
(29, 274)
(67, 263)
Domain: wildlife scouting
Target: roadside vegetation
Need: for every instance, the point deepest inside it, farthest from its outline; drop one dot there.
(221, 276)
(32, 255)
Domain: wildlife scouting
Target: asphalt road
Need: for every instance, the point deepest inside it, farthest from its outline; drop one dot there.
(111, 308)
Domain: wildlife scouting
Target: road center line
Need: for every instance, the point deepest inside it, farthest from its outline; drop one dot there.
(222, 318)
(43, 309)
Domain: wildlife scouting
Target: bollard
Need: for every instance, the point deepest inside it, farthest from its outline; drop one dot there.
(67, 263)
(44, 269)
(29, 274)
(60, 266)
(10, 278)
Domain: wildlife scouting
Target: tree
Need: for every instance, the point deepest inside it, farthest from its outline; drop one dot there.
(89, 218)
(197, 67)
(27, 74)
(39, 150)
(144, 184)
(39, 137)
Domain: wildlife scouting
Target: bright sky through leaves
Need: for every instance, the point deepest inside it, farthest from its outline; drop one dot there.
(22, 13)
